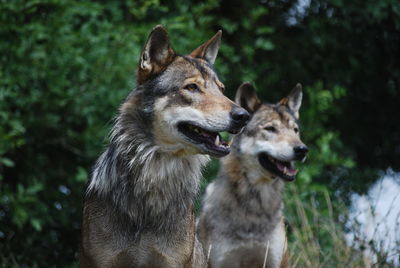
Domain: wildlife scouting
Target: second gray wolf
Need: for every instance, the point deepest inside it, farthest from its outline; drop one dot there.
(138, 211)
(241, 222)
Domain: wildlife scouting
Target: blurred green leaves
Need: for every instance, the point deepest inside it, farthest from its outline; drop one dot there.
(325, 146)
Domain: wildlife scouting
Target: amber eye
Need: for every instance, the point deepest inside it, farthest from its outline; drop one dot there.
(270, 129)
(296, 130)
(191, 87)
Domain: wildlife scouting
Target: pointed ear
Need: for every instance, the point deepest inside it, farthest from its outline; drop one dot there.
(156, 55)
(293, 100)
(246, 97)
(209, 49)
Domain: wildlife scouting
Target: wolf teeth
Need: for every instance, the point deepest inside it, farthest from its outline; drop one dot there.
(285, 170)
(217, 141)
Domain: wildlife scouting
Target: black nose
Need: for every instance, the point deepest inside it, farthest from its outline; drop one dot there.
(300, 151)
(240, 116)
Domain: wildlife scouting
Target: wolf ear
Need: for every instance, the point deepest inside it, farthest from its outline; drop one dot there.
(156, 55)
(293, 100)
(246, 97)
(209, 49)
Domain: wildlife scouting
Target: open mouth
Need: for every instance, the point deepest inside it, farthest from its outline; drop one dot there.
(211, 142)
(282, 169)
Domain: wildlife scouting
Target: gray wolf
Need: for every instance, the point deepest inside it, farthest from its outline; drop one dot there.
(138, 211)
(242, 210)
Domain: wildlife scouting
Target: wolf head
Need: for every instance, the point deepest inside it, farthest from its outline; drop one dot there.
(183, 98)
(271, 142)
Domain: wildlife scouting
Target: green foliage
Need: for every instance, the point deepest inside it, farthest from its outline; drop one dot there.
(316, 236)
(66, 65)
(325, 152)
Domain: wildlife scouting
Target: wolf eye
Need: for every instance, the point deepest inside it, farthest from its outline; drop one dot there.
(270, 128)
(191, 87)
(296, 130)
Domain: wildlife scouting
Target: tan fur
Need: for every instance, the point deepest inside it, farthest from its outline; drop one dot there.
(200, 52)
(149, 254)
(242, 214)
(138, 210)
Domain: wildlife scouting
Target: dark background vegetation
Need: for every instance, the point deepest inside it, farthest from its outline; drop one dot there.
(66, 65)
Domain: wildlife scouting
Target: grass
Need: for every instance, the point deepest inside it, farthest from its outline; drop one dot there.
(316, 233)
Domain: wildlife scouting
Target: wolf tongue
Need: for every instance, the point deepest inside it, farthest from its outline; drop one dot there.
(280, 166)
(286, 170)
(291, 171)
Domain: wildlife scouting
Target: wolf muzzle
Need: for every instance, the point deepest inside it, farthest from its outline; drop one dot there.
(239, 117)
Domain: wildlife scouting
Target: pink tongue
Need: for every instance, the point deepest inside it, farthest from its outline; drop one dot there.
(289, 171)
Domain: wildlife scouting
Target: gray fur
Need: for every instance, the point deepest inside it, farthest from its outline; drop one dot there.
(133, 169)
(242, 209)
(240, 217)
(138, 209)
(140, 197)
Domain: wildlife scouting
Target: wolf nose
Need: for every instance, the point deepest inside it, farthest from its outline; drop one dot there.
(300, 151)
(240, 116)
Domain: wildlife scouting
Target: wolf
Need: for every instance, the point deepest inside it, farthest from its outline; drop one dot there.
(138, 210)
(241, 223)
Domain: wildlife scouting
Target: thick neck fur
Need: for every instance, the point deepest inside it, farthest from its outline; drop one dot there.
(257, 197)
(150, 187)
